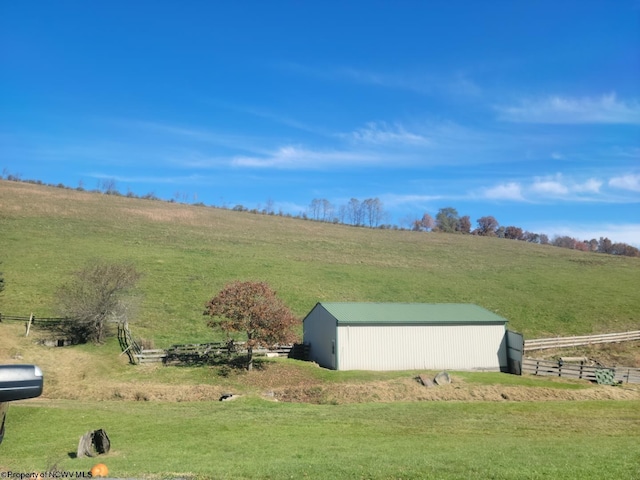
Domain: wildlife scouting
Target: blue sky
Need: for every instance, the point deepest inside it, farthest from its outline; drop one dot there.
(528, 111)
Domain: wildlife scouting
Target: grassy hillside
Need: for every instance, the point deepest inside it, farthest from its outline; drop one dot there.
(187, 253)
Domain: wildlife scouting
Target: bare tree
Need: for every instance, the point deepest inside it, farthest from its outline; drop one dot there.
(314, 209)
(326, 209)
(342, 214)
(372, 211)
(108, 186)
(94, 296)
(354, 211)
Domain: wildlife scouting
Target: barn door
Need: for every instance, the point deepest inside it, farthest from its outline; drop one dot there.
(515, 349)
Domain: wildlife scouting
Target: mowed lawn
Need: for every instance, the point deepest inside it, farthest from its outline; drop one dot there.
(254, 438)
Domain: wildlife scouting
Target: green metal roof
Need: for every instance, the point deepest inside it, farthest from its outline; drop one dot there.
(410, 313)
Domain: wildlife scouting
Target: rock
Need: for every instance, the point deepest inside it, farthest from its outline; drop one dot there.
(442, 378)
(427, 382)
(93, 443)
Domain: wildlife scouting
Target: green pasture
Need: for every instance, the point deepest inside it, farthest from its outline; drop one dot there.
(187, 253)
(252, 438)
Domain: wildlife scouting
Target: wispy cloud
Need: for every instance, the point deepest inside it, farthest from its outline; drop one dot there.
(294, 157)
(162, 131)
(282, 120)
(397, 200)
(557, 109)
(380, 133)
(456, 83)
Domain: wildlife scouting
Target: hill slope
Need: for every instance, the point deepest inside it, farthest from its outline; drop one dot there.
(187, 253)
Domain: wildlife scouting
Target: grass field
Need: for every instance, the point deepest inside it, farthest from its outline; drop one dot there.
(259, 439)
(166, 422)
(187, 254)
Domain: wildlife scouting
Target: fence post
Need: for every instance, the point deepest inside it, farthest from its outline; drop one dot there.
(29, 325)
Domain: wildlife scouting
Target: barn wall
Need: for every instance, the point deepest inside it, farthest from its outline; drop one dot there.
(454, 347)
(320, 333)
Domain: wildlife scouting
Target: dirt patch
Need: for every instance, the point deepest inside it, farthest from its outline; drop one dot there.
(609, 354)
(409, 390)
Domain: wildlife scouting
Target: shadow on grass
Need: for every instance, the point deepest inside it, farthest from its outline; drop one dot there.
(225, 364)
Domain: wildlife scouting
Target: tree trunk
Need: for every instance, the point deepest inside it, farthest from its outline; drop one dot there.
(249, 358)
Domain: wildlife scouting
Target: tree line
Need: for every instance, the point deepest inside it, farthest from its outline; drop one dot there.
(447, 220)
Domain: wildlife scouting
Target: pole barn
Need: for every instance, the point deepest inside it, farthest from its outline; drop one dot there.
(405, 336)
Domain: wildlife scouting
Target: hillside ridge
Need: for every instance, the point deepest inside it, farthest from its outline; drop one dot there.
(187, 253)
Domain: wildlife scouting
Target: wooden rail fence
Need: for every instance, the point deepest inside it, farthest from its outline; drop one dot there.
(128, 344)
(560, 342)
(580, 371)
(204, 352)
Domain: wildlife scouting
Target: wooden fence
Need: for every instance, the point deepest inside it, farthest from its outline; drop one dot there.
(127, 343)
(206, 352)
(40, 321)
(580, 370)
(560, 342)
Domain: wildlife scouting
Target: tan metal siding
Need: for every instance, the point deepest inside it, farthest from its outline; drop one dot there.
(432, 347)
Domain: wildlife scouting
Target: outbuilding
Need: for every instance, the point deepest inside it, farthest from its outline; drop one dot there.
(405, 336)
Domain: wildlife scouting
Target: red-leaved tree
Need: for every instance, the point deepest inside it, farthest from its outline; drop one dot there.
(252, 308)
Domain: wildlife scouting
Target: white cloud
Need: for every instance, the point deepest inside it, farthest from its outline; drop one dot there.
(590, 186)
(557, 109)
(558, 186)
(555, 187)
(549, 186)
(626, 182)
(505, 191)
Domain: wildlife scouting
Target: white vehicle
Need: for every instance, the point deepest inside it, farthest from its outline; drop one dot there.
(17, 382)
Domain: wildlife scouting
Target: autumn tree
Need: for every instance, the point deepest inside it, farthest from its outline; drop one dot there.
(464, 224)
(425, 223)
(513, 233)
(253, 309)
(487, 226)
(94, 296)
